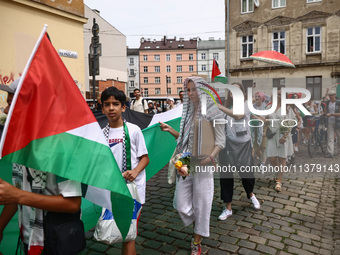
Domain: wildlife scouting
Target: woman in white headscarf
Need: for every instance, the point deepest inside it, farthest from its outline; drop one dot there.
(194, 193)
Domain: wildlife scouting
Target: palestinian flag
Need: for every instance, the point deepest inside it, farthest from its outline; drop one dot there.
(216, 75)
(51, 128)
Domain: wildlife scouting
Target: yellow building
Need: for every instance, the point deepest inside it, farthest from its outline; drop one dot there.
(21, 24)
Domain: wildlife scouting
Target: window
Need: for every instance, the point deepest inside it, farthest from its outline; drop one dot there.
(157, 91)
(157, 57)
(279, 42)
(247, 84)
(204, 68)
(131, 61)
(168, 79)
(203, 56)
(278, 3)
(247, 46)
(146, 80)
(157, 69)
(132, 72)
(157, 80)
(168, 91)
(167, 57)
(215, 56)
(146, 92)
(279, 82)
(179, 79)
(178, 57)
(313, 39)
(191, 68)
(132, 83)
(247, 6)
(168, 69)
(145, 57)
(179, 89)
(145, 69)
(191, 56)
(314, 85)
(179, 69)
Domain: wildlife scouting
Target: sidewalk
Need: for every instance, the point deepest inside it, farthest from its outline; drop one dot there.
(303, 219)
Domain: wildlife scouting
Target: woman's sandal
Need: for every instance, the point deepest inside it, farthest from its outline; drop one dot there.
(278, 186)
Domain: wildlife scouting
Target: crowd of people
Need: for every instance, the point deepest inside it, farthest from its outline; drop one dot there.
(237, 145)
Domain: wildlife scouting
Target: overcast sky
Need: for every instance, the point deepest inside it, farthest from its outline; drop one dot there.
(156, 18)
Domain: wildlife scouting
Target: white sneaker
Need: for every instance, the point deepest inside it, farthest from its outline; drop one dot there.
(225, 214)
(296, 148)
(255, 202)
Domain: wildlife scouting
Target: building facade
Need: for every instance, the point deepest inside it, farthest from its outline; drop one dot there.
(164, 65)
(207, 51)
(306, 31)
(21, 24)
(132, 70)
(113, 54)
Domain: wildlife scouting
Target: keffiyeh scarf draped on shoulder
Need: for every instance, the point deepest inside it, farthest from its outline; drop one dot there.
(189, 113)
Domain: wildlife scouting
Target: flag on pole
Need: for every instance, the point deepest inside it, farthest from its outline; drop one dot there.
(51, 128)
(216, 75)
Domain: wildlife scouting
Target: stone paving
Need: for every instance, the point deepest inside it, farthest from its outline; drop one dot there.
(303, 219)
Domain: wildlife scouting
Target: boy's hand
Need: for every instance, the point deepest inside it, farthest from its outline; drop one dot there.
(130, 175)
(164, 127)
(8, 193)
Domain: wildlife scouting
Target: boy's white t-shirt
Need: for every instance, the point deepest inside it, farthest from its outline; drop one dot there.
(138, 149)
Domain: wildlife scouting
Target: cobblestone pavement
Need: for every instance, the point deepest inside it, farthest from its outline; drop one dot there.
(303, 219)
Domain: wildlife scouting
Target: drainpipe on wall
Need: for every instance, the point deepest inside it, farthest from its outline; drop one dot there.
(228, 44)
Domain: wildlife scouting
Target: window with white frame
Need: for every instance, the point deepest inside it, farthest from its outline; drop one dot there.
(191, 68)
(132, 72)
(247, 46)
(168, 91)
(215, 56)
(157, 58)
(145, 57)
(247, 6)
(203, 68)
(168, 79)
(157, 80)
(178, 57)
(179, 69)
(179, 89)
(157, 69)
(313, 1)
(313, 39)
(157, 91)
(146, 92)
(279, 42)
(132, 83)
(191, 56)
(146, 80)
(168, 69)
(314, 85)
(278, 3)
(132, 61)
(279, 82)
(167, 57)
(145, 69)
(179, 79)
(203, 56)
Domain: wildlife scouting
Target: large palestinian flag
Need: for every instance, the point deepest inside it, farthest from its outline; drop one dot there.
(51, 128)
(216, 75)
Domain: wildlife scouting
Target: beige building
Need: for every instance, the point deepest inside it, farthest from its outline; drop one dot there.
(21, 24)
(306, 31)
(164, 65)
(112, 71)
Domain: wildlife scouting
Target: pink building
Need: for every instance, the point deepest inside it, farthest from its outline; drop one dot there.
(164, 65)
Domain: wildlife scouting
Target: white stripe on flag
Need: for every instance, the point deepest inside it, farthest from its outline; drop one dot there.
(98, 196)
(91, 132)
(166, 116)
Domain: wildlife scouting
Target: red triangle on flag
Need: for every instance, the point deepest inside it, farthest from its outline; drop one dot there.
(46, 97)
(215, 70)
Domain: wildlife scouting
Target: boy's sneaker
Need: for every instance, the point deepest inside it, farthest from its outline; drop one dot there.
(195, 248)
(255, 202)
(225, 214)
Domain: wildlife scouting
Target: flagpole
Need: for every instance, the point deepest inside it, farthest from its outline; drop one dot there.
(16, 93)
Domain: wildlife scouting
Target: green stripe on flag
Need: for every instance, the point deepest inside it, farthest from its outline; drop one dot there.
(221, 79)
(160, 145)
(109, 178)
